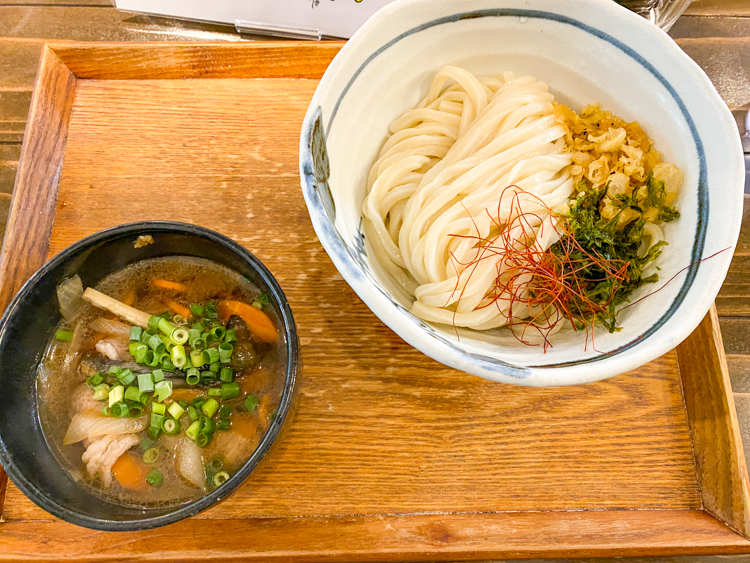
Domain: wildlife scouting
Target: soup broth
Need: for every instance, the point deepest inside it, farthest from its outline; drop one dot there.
(160, 414)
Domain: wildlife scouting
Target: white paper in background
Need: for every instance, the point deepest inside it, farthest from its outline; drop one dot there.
(334, 18)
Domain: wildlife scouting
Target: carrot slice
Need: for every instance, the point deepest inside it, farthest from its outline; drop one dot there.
(263, 412)
(256, 320)
(179, 309)
(129, 298)
(165, 284)
(130, 473)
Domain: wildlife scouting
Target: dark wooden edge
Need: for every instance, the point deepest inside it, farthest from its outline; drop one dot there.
(32, 208)
(259, 59)
(450, 537)
(717, 443)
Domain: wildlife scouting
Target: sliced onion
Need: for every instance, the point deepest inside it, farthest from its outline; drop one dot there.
(108, 326)
(189, 463)
(69, 295)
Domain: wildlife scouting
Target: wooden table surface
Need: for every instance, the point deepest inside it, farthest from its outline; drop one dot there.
(716, 33)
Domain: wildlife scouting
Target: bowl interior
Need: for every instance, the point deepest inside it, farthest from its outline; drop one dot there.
(27, 327)
(635, 72)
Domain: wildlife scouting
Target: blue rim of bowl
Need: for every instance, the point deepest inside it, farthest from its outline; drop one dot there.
(193, 507)
(488, 363)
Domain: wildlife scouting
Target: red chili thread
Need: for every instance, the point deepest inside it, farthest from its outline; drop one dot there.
(546, 284)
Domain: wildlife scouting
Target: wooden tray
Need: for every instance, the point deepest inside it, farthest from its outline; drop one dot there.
(390, 456)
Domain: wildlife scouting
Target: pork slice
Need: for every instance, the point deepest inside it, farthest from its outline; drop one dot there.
(105, 452)
(83, 400)
(92, 424)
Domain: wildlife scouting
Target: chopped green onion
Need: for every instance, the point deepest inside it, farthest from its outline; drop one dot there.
(251, 402)
(145, 399)
(225, 353)
(151, 456)
(202, 440)
(147, 443)
(209, 426)
(210, 310)
(193, 430)
(192, 376)
(156, 344)
(196, 309)
(208, 376)
(198, 402)
(171, 426)
(165, 326)
(214, 392)
(196, 357)
(94, 380)
(179, 319)
(116, 395)
(134, 409)
(115, 370)
(230, 391)
(106, 411)
(120, 410)
(153, 322)
(126, 377)
(145, 382)
(64, 335)
(263, 299)
(215, 368)
(226, 375)
(211, 355)
(101, 392)
(166, 315)
(218, 332)
(163, 390)
(155, 478)
(157, 419)
(159, 408)
(224, 423)
(225, 410)
(133, 394)
(215, 465)
(179, 336)
(154, 360)
(158, 375)
(135, 333)
(154, 432)
(148, 357)
(208, 338)
(167, 364)
(193, 335)
(199, 344)
(210, 407)
(257, 304)
(272, 416)
(231, 336)
(178, 356)
(192, 413)
(220, 478)
(176, 410)
(139, 353)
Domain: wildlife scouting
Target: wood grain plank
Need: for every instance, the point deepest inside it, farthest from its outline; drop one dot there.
(727, 61)
(4, 210)
(19, 60)
(697, 27)
(388, 538)
(719, 456)
(42, 158)
(266, 59)
(718, 8)
(93, 23)
(184, 137)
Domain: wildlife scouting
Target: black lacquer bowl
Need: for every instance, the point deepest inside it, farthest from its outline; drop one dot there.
(27, 326)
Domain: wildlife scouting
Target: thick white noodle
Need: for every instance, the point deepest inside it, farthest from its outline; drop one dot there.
(446, 177)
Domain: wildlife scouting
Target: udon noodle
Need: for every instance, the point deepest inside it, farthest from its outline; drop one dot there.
(474, 152)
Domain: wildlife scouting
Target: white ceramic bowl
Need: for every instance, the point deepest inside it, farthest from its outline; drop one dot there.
(587, 51)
